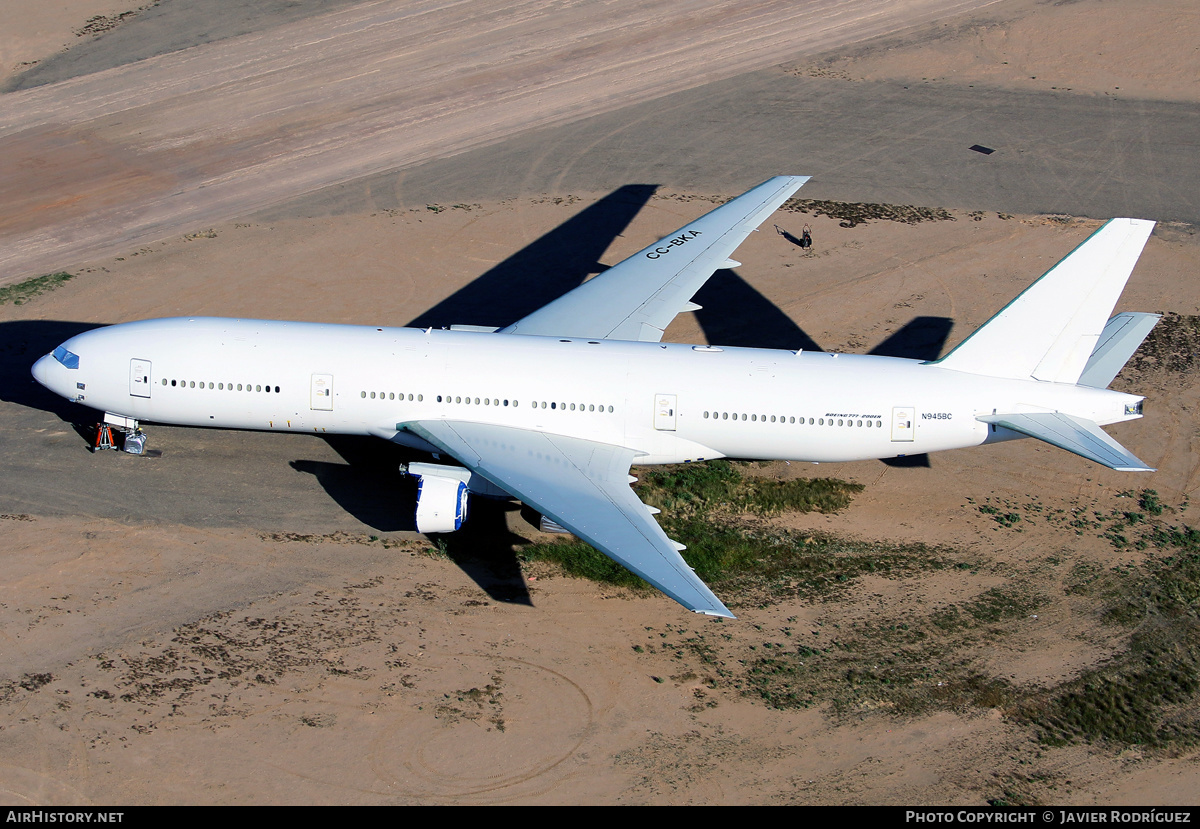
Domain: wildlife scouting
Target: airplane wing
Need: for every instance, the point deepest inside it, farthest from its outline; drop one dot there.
(1083, 437)
(583, 486)
(638, 298)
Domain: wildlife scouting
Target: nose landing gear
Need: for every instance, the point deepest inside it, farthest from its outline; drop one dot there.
(104, 438)
(133, 439)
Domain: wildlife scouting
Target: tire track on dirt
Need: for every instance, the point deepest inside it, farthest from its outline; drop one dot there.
(104, 162)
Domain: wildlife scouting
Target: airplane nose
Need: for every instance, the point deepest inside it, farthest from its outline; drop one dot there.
(41, 370)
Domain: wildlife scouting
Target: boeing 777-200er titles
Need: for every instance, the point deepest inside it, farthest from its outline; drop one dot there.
(555, 408)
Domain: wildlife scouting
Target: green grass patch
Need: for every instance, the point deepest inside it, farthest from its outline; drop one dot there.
(583, 561)
(1001, 517)
(850, 214)
(765, 566)
(695, 487)
(922, 658)
(1150, 693)
(900, 667)
(925, 659)
(22, 292)
(753, 564)
(1149, 501)
(720, 485)
(1121, 527)
(999, 604)
(1146, 696)
(1171, 347)
(904, 667)
(727, 552)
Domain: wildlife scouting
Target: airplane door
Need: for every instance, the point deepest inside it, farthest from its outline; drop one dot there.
(664, 412)
(904, 423)
(321, 394)
(139, 378)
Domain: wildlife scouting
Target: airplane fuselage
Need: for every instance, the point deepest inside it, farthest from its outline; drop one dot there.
(672, 403)
(556, 407)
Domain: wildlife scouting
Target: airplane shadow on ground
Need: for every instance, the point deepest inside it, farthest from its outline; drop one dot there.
(370, 487)
(486, 551)
(923, 338)
(22, 343)
(734, 313)
(543, 270)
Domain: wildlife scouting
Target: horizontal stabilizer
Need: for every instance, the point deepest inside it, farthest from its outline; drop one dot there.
(1119, 339)
(1083, 437)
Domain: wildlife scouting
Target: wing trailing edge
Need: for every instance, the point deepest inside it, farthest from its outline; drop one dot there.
(583, 486)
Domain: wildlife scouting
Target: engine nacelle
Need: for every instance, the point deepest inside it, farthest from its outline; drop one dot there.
(442, 496)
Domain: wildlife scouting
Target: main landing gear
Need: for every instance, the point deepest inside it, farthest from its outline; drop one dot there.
(133, 439)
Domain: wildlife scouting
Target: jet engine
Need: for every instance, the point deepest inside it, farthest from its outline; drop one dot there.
(443, 494)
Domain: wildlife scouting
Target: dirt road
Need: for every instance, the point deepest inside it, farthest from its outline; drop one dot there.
(121, 157)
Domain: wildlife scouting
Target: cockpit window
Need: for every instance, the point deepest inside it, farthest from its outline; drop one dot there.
(67, 358)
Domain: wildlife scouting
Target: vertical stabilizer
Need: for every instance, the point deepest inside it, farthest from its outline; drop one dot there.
(1050, 331)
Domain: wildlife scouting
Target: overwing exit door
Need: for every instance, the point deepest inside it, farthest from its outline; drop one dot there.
(664, 412)
(321, 393)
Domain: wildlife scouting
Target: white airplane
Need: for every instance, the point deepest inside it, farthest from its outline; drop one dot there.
(555, 408)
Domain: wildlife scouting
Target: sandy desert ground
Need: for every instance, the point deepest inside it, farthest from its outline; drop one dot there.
(248, 618)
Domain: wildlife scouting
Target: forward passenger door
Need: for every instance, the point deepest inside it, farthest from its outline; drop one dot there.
(139, 378)
(904, 423)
